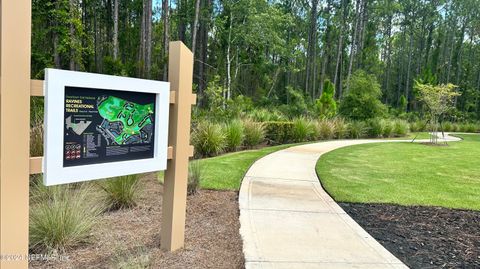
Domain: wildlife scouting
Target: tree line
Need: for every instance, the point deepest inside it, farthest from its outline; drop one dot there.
(271, 51)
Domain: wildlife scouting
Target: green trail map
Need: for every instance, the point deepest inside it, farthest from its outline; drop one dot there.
(125, 122)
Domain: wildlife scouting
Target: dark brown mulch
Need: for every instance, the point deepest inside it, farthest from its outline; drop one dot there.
(212, 238)
(423, 237)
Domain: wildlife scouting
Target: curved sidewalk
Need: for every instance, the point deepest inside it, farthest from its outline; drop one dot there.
(288, 221)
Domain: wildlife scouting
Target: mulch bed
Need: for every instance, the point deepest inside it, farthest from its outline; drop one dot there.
(212, 238)
(423, 237)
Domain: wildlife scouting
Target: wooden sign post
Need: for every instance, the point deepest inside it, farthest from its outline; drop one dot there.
(16, 87)
(14, 131)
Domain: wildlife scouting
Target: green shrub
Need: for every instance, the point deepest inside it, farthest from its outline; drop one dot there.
(194, 176)
(61, 217)
(468, 128)
(120, 192)
(340, 128)
(387, 128)
(455, 127)
(208, 139)
(357, 129)
(234, 134)
(400, 128)
(326, 129)
(254, 133)
(303, 130)
(447, 126)
(362, 100)
(375, 127)
(263, 115)
(418, 126)
(278, 132)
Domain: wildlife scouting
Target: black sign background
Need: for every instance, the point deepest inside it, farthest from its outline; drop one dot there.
(90, 145)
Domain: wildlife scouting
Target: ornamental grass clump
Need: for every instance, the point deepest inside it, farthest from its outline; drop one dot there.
(120, 192)
(36, 139)
(303, 130)
(375, 128)
(208, 138)
(194, 176)
(400, 128)
(325, 129)
(254, 133)
(357, 129)
(234, 134)
(340, 128)
(61, 217)
(447, 126)
(387, 128)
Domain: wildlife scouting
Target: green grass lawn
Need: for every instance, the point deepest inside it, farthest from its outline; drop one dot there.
(405, 173)
(226, 172)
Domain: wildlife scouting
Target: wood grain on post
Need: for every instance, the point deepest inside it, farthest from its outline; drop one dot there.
(180, 72)
(14, 131)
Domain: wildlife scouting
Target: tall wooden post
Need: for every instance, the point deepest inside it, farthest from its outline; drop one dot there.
(15, 17)
(180, 72)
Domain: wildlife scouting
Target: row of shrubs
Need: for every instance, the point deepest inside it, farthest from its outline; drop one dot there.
(210, 138)
(467, 127)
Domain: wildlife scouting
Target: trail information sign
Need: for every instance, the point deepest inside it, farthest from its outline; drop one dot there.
(107, 126)
(111, 126)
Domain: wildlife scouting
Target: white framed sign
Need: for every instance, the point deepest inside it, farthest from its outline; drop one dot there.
(100, 126)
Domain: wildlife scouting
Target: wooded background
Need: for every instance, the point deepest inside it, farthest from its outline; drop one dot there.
(270, 51)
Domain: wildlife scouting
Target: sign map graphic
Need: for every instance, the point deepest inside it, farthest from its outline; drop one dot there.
(107, 126)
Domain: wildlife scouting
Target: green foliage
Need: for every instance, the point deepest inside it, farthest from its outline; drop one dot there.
(447, 126)
(400, 128)
(326, 129)
(387, 128)
(263, 115)
(362, 102)
(340, 128)
(194, 176)
(403, 103)
(278, 132)
(61, 217)
(120, 192)
(418, 126)
(375, 127)
(36, 140)
(296, 104)
(468, 128)
(234, 134)
(326, 104)
(357, 129)
(303, 129)
(254, 133)
(208, 138)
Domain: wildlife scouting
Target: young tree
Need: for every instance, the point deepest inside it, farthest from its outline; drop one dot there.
(326, 105)
(362, 100)
(438, 100)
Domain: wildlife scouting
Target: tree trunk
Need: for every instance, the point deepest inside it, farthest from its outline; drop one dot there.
(166, 39)
(354, 43)
(141, 53)
(148, 39)
(311, 48)
(195, 26)
(115, 29)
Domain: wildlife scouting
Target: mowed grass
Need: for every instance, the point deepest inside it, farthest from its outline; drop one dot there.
(405, 173)
(226, 172)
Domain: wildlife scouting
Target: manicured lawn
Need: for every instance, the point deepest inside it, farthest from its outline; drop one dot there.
(405, 174)
(226, 172)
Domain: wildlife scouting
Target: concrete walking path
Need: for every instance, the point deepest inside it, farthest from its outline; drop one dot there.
(288, 221)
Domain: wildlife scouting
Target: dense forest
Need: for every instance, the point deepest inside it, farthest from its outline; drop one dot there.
(271, 53)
